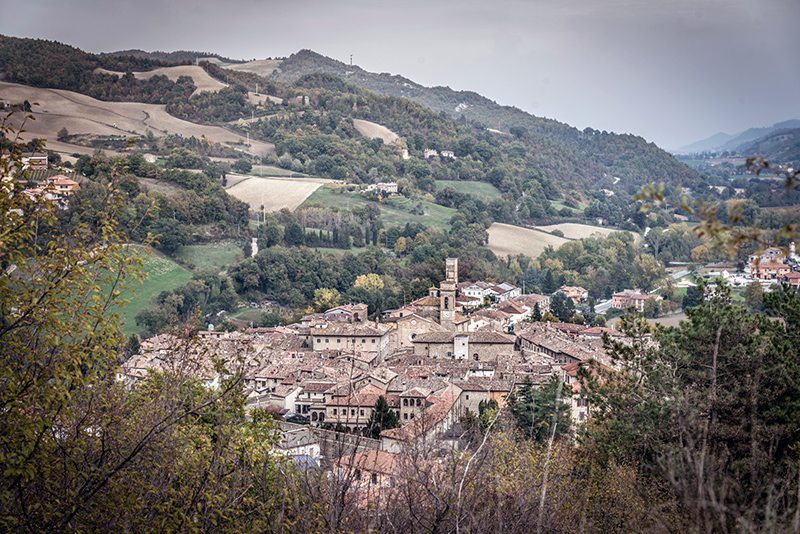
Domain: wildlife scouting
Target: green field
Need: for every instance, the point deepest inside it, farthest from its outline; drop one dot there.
(271, 170)
(160, 274)
(213, 257)
(482, 190)
(395, 210)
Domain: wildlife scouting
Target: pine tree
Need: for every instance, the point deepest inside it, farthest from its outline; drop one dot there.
(382, 418)
(537, 313)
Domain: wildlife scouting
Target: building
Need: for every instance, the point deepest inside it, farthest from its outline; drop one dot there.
(770, 270)
(361, 337)
(476, 346)
(578, 294)
(447, 294)
(353, 411)
(448, 154)
(34, 160)
(349, 313)
(793, 279)
(429, 153)
(630, 298)
(387, 188)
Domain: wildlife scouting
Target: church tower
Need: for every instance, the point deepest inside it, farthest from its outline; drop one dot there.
(447, 294)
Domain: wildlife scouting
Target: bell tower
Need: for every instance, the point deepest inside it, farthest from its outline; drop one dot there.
(447, 294)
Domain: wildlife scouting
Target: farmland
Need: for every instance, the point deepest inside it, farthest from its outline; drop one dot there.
(395, 210)
(482, 190)
(375, 131)
(578, 231)
(509, 240)
(84, 115)
(275, 193)
(202, 80)
(160, 274)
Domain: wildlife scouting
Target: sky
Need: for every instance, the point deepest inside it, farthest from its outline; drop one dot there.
(672, 71)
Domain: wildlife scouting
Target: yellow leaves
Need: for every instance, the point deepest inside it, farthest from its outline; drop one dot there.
(370, 282)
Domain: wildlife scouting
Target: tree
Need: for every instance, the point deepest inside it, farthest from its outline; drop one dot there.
(754, 296)
(63, 134)
(652, 308)
(647, 271)
(326, 298)
(540, 413)
(537, 313)
(370, 282)
(562, 307)
(694, 296)
(242, 165)
(382, 418)
(294, 234)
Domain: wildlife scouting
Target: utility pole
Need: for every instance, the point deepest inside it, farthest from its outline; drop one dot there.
(351, 60)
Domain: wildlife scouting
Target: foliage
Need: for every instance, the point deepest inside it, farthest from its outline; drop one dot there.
(540, 413)
(382, 418)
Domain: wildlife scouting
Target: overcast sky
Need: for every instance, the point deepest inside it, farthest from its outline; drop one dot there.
(673, 71)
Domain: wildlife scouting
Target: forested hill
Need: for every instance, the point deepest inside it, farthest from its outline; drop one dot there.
(563, 152)
(782, 146)
(178, 56)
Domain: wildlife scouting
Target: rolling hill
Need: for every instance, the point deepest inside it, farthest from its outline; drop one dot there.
(738, 142)
(583, 158)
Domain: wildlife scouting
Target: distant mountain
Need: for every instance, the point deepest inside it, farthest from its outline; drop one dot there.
(782, 146)
(709, 144)
(737, 142)
(589, 157)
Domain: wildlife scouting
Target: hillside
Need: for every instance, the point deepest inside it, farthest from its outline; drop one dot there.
(562, 152)
(781, 146)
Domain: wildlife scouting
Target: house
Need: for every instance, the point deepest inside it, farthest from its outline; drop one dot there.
(630, 298)
(429, 153)
(437, 417)
(55, 189)
(770, 270)
(372, 472)
(504, 291)
(34, 160)
(448, 154)
(349, 313)
(387, 188)
(298, 441)
(310, 402)
(578, 294)
(793, 279)
(477, 390)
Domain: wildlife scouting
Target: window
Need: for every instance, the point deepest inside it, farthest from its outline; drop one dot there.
(412, 415)
(374, 478)
(352, 411)
(362, 412)
(338, 340)
(373, 341)
(363, 340)
(358, 474)
(334, 411)
(467, 397)
(419, 402)
(319, 340)
(405, 416)
(405, 402)
(327, 340)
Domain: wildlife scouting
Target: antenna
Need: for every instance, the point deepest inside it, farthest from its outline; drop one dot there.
(351, 60)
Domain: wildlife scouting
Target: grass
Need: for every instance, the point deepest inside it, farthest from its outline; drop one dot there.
(212, 257)
(482, 190)
(560, 205)
(395, 210)
(160, 274)
(271, 170)
(339, 252)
